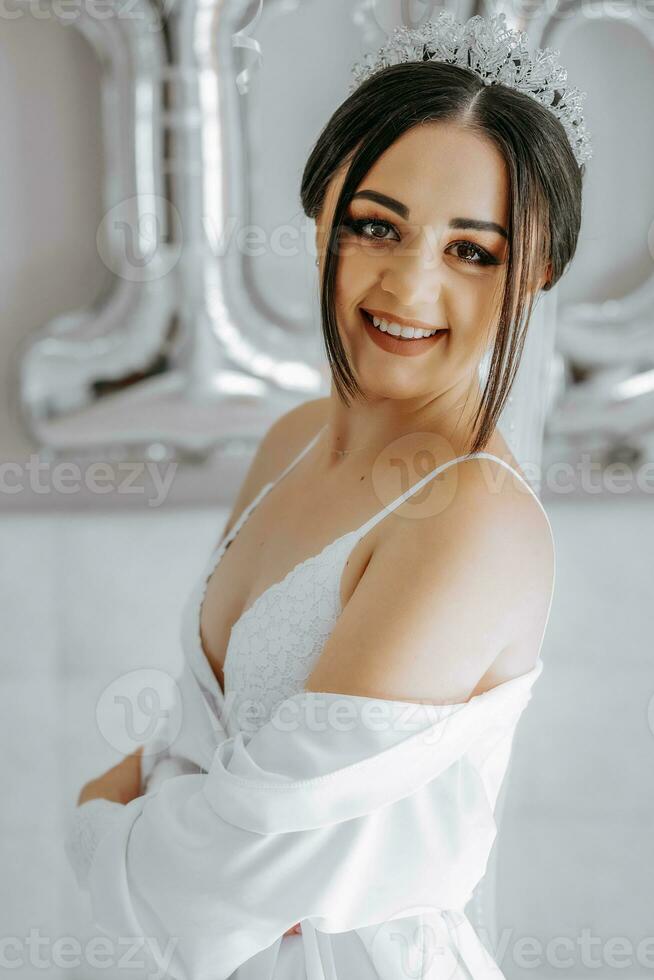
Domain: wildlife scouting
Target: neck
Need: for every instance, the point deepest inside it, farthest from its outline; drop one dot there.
(365, 429)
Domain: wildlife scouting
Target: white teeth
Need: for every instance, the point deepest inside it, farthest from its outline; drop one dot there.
(397, 331)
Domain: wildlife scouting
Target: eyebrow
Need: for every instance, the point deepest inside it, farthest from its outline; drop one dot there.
(404, 212)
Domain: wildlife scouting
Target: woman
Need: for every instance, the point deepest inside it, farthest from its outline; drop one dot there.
(442, 204)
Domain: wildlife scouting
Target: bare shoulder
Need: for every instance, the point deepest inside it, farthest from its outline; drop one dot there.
(487, 515)
(290, 433)
(507, 527)
(501, 496)
(446, 591)
(481, 505)
(281, 442)
(493, 521)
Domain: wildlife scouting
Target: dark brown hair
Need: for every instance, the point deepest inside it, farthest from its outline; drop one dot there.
(545, 195)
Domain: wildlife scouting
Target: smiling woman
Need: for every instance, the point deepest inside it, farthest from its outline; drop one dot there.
(419, 263)
(375, 660)
(445, 203)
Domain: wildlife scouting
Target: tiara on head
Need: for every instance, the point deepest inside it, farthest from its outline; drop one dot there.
(497, 54)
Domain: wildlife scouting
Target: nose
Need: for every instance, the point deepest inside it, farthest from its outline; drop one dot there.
(414, 279)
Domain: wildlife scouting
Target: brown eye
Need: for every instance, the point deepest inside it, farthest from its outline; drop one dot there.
(362, 227)
(379, 225)
(479, 256)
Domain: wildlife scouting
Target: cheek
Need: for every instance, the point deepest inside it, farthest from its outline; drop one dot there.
(475, 311)
(354, 281)
(353, 267)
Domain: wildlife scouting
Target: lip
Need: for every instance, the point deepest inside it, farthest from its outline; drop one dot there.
(395, 345)
(402, 320)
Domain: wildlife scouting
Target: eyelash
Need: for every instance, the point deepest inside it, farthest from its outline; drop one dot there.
(358, 224)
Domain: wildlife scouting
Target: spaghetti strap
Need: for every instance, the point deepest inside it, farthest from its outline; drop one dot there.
(245, 513)
(297, 459)
(528, 485)
(363, 530)
(360, 532)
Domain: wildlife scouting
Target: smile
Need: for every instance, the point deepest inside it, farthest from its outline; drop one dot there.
(389, 336)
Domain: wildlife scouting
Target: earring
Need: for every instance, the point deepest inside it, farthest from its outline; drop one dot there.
(317, 261)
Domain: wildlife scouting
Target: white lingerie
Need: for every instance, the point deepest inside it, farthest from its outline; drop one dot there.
(264, 811)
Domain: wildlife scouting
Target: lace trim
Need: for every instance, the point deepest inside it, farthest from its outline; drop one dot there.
(87, 825)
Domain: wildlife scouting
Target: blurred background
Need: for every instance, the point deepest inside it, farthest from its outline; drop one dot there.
(160, 310)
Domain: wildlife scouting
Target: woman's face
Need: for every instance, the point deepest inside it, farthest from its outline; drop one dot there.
(433, 250)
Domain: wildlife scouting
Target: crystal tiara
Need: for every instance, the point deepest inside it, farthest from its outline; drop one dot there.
(497, 54)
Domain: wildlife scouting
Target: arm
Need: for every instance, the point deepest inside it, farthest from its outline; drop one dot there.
(216, 865)
(442, 596)
(218, 861)
(120, 784)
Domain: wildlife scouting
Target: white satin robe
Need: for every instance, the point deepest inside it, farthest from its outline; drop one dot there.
(374, 821)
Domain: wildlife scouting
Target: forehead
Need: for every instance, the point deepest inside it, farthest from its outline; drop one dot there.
(441, 168)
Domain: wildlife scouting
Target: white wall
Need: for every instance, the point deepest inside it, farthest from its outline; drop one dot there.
(88, 596)
(50, 192)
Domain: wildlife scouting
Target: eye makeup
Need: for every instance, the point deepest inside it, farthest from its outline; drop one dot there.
(358, 226)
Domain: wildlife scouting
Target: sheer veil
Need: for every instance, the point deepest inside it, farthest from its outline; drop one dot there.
(522, 424)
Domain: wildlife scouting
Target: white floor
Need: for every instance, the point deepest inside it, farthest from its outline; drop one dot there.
(87, 598)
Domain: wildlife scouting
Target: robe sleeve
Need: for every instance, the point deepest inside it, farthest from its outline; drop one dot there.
(346, 824)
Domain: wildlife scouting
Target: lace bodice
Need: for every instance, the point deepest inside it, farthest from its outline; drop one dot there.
(275, 643)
